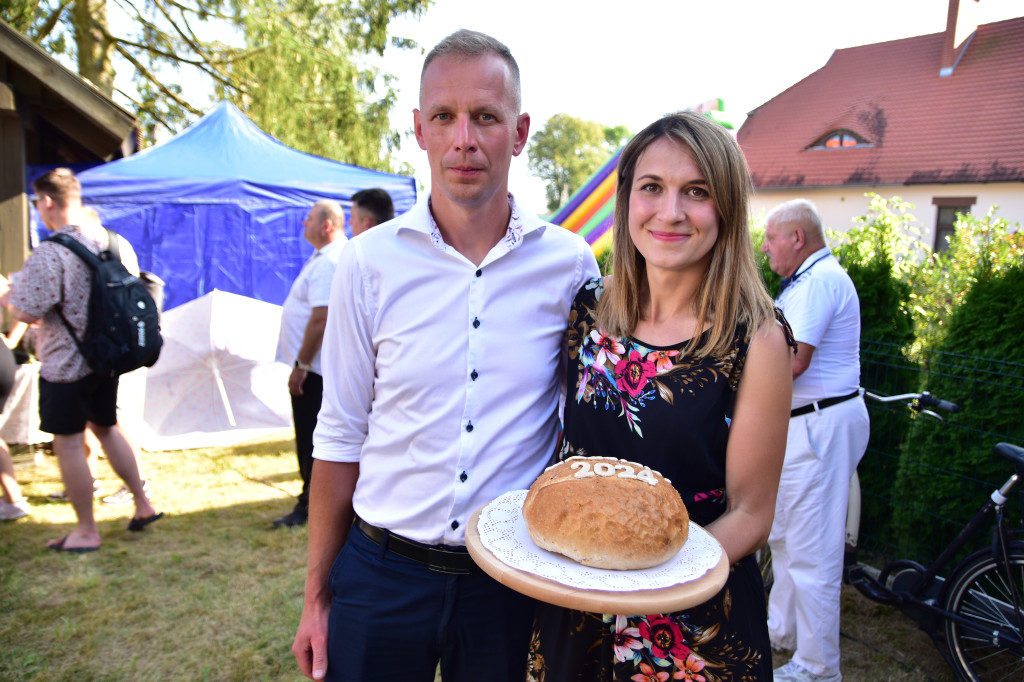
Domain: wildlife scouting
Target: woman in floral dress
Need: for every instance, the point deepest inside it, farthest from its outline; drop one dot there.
(679, 362)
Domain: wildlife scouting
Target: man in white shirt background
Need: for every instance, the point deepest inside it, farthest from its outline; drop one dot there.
(370, 207)
(442, 358)
(303, 319)
(828, 434)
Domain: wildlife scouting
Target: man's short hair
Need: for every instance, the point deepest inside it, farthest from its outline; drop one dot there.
(798, 211)
(60, 184)
(472, 44)
(376, 202)
(329, 209)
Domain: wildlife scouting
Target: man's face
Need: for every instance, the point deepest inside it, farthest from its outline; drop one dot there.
(359, 220)
(468, 125)
(313, 227)
(781, 245)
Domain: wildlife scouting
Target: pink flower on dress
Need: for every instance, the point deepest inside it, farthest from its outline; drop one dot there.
(608, 348)
(626, 640)
(662, 359)
(647, 674)
(689, 669)
(633, 373)
(665, 636)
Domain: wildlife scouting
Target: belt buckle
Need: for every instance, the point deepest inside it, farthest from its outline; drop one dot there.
(436, 562)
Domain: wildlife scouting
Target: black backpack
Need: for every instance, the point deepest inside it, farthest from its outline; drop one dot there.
(123, 328)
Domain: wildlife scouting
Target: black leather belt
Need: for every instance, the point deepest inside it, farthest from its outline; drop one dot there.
(822, 404)
(439, 559)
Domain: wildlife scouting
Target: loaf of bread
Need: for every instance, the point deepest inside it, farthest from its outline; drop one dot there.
(606, 513)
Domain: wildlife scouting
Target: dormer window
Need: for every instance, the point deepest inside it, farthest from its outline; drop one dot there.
(840, 139)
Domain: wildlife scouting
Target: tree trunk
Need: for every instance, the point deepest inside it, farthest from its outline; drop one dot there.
(89, 18)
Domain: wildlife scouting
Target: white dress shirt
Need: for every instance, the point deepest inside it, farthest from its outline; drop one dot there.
(311, 289)
(823, 310)
(441, 377)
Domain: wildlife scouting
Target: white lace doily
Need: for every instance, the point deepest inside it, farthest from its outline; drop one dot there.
(503, 532)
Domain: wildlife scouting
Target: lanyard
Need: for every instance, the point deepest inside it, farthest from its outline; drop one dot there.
(786, 281)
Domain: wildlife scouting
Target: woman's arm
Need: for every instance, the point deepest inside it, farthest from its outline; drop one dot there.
(757, 444)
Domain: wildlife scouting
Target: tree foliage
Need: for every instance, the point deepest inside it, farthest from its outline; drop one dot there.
(567, 151)
(979, 248)
(297, 67)
(879, 253)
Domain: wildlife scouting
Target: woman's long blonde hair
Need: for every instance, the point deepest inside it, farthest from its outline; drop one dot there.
(731, 293)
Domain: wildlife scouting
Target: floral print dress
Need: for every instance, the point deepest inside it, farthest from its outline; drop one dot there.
(670, 411)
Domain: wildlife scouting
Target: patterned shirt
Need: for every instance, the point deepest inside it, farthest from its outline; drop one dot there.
(54, 280)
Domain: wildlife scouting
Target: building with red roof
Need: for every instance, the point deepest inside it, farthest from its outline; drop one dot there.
(937, 120)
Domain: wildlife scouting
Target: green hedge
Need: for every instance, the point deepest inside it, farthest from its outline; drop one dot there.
(945, 473)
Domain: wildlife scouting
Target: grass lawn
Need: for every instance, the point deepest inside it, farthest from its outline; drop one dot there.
(213, 592)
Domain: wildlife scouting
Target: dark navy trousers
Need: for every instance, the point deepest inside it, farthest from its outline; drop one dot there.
(392, 618)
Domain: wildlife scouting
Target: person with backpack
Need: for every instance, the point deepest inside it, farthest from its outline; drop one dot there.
(55, 288)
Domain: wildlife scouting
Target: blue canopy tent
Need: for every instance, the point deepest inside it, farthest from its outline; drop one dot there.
(220, 206)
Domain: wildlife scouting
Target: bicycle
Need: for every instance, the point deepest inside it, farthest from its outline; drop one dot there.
(979, 608)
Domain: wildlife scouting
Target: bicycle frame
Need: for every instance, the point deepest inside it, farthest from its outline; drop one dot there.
(921, 598)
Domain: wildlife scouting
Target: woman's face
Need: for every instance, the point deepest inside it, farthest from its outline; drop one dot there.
(672, 218)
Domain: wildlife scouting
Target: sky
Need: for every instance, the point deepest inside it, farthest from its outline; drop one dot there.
(629, 62)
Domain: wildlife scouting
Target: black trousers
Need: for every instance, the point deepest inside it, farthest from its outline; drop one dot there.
(305, 409)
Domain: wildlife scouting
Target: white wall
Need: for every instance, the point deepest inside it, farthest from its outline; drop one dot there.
(839, 206)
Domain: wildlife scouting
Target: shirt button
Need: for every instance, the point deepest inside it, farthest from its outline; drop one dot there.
(469, 426)
(463, 477)
(479, 272)
(476, 322)
(455, 525)
(473, 375)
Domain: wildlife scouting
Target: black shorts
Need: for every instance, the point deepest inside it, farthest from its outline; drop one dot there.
(65, 408)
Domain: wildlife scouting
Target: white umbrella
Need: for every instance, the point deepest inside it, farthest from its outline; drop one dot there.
(216, 382)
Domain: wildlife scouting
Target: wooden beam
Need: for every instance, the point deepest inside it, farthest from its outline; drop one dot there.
(13, 202)
(75, 90)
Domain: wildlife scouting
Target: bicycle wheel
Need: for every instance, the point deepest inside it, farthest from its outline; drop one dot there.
(981, 592)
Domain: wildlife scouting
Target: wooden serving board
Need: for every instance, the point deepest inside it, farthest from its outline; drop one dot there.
(637, 602)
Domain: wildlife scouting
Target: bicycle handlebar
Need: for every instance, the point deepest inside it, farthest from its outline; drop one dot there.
(918, 401)
(928, 400)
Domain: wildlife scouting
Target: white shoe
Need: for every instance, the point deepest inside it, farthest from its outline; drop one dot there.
(123, 495)
(9, 512)
(791, 672)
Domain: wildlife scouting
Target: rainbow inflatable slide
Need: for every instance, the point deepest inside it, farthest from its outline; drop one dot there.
(590, 209)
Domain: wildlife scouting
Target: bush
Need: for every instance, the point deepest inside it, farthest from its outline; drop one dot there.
(979, 248)
(768, 276)
(948, 469)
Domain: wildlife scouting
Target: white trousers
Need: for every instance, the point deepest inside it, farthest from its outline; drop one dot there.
(808, 535)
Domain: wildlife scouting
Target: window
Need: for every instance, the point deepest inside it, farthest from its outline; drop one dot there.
(945, 220)
(840, 139)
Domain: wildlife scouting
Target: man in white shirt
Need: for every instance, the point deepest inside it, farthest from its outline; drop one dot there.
(828, 434)
(370, 207)
(442, 356)
(303, 320)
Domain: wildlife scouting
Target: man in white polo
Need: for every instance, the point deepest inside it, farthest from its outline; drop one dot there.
(828, 434)
(302, 333)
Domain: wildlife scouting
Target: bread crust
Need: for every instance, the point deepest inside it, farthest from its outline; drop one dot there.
(584, 508)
